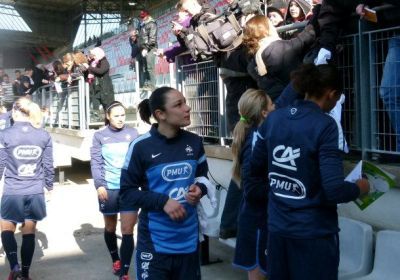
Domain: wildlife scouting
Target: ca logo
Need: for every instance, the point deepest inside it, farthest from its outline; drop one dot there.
(177, 193)
(284, 157)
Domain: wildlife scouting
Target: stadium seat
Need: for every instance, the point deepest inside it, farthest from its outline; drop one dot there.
(387, 256)
(356, 242)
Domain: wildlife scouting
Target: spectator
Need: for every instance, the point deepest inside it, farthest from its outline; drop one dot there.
(302, 216)
(101, 89)
(26, 82)
(61, 78)
(199, 11)
(79, 60)
(16, 82)
(275, 16)
(148, 48)
(331, 19)
(296, 12)
(389, 89)
(40, 77)
(274, 58)
(133, 42)
(183, 18)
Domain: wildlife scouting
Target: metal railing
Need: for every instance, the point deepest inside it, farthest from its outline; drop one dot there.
(384, 89)
(201, 85)
(63, 104)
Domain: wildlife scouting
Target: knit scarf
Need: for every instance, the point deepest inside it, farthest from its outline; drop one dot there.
(263, 44)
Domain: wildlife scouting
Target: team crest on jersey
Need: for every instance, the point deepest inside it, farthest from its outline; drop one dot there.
(189, 150)
(128, 137)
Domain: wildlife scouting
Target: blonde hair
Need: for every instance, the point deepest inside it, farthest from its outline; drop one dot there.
(257, 28)
(79, 58)
(30, 109)
(251, 105)
(67, 57)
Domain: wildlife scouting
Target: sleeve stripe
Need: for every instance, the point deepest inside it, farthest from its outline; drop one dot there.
(202, 159)
(131, 146)
(342, 144)
(254, 139)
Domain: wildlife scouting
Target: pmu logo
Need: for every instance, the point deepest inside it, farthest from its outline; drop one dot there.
(284, 157)
(27, 152)
(177, 171)
(286, 187)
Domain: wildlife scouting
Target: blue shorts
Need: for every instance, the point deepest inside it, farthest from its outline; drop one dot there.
(155, 266)
(303, 259)
(112, 205)
(251, 242)
(18, 208)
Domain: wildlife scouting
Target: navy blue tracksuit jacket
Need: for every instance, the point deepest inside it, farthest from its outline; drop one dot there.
(298, 150)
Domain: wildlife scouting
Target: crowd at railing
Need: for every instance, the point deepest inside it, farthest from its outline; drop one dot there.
(368, 60)
(366, 55)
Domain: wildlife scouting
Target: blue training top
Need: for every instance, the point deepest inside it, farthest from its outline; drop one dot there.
(108, 153)
(164, 168)
(26, 153)
(299, 146)
(255, 196)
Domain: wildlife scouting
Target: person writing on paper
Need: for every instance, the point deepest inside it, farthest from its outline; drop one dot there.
(297, 150)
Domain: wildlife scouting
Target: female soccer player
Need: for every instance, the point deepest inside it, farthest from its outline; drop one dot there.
(26, 156)
(298, 152)
(160, 177)
(110, 145)
(251, 242)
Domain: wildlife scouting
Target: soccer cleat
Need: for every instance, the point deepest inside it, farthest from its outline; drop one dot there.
(116, 268)
(14, 275)
(124, 277)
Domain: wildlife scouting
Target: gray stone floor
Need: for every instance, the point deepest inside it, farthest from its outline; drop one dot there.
(69, 242)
